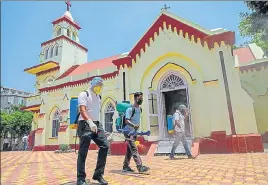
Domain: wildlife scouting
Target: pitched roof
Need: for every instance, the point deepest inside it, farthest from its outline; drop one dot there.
(94, 65)
(67, 16)
(181, 24)
(68, 71)
(244, 55)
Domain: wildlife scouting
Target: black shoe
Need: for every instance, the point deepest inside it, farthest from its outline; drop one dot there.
(82, 183)
(191, 157)
(143, 169)
(127, 169)
(100, 179)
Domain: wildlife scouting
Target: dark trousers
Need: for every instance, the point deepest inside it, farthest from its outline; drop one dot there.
(132, 150)
(100, 139)
(5, 146)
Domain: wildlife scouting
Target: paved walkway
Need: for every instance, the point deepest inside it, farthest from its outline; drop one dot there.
(38, 168)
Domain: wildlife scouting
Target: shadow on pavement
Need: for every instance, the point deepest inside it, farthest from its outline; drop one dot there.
(135, 174)
(175, 159)
(74, 183)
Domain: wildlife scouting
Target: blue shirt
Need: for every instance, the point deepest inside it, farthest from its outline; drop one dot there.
(136, 118)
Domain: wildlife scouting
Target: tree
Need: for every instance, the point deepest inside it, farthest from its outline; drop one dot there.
(17, 122)
(254, 25)
(5, 123)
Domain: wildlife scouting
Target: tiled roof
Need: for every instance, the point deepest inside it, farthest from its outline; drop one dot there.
(244, 55)
(68, 71)
(94, 65)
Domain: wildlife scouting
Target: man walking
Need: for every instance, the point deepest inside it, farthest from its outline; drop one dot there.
(133, 114)
(25, 142)
(89, 127)
(179, 127)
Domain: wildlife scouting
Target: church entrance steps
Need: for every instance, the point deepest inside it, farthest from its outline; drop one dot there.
(164, 147)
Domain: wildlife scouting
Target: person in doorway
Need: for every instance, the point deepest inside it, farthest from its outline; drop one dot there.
(133, 122)
(89, 127)
(25, 142)
(5, 145)
(179, 128)
(16, 144)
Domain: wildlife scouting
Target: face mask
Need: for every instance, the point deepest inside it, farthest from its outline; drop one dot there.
(97, 89)
(139, 102)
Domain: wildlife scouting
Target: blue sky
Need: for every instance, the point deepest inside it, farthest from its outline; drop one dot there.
(108, 28)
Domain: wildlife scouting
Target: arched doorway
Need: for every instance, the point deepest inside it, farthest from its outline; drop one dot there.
(172, 90)
(108, 117)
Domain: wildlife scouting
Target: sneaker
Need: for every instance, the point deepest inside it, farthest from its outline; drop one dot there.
(171, 157)
(127, 169)
(143, 169)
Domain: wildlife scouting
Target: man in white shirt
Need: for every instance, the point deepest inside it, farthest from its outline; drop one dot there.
(25, 142)
(179, 127)
(89, 127)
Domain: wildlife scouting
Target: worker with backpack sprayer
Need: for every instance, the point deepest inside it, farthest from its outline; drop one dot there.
(89, 127)
(131, 123)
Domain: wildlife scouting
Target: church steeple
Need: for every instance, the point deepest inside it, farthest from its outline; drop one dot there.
(66, 25)
(64, 47)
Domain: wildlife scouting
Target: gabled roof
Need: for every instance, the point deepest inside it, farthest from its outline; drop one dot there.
(181, 24)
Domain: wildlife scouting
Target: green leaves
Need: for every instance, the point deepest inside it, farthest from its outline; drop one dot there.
(16, 123)
(254, 25)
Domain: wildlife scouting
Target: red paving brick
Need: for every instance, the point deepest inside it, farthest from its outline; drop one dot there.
(38, 168)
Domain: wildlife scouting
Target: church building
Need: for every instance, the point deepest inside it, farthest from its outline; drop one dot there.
(175, 61)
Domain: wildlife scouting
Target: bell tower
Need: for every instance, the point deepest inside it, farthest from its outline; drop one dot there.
(64, 47)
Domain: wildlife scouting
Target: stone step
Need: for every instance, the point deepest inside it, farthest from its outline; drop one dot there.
(164, 147)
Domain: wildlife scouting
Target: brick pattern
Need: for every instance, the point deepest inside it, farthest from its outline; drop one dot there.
(36, 168)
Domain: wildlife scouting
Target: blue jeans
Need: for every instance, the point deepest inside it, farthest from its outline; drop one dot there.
(180, 137)
(25, 146)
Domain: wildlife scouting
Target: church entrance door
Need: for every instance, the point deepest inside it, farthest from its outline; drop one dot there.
(173, 90)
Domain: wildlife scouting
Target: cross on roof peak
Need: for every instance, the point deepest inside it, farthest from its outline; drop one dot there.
(165, 7)
(68, 3)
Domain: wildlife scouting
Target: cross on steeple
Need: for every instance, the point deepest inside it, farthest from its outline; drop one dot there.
(165, 7)
(68, 3)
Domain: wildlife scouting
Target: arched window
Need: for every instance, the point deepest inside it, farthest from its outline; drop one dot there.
(108, 114)
(171, 82)
(46, 53)
(56, 52)
(74, 36)
(68, 33)
(58, 31)
(55, 123)
(51, 52)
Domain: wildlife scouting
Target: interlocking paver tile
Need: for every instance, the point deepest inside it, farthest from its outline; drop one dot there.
(34, 168)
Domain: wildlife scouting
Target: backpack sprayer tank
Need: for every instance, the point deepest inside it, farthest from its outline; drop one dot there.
(121, 108)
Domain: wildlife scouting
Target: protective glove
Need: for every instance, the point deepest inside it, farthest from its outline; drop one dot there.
(93, 127)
